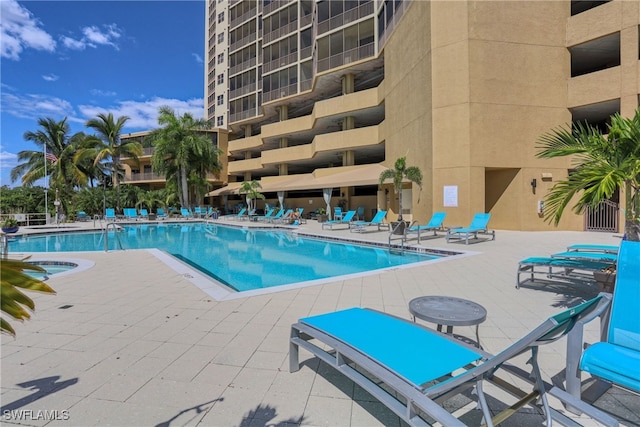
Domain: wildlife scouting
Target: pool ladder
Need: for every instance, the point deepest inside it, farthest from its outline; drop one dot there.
(115, 233)
(392, 246)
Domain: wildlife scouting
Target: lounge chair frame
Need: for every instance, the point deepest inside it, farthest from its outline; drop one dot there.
(412, 401)
(478, 226)
(615, 360)
(434, 225)
(559, 268)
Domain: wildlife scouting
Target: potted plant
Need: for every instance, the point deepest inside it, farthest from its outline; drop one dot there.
(606, 279)
(399, 172)
(322, 215)
(10, 225)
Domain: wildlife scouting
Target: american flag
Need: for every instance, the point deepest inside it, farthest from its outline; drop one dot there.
(51, 157)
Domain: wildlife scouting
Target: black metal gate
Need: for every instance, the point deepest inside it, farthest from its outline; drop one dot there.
(603, 217)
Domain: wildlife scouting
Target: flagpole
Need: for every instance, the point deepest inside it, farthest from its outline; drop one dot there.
(46, 188)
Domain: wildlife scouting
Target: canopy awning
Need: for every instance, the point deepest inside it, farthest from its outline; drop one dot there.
(348, 176)
(232, 188)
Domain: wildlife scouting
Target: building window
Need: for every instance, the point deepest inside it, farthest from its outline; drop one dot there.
(220, 121)
(220, 17)
(220, 37)
(220, 79)
(220, 99)
(220, 58)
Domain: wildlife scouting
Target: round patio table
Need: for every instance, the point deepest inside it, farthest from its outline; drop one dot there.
(449, 311)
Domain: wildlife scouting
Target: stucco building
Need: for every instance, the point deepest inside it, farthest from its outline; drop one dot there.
(325, 94)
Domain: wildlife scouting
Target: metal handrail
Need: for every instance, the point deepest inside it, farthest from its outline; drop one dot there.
(4, 245)
(392, 232)
(106, 236)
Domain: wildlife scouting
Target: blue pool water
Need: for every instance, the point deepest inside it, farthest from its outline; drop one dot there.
(243, 259)
(51, 267)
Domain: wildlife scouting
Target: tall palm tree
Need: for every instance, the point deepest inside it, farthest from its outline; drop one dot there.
(250, 188)
(58, 162)
(111, 146)
(399, 172)
(181, 148)
(602, 165)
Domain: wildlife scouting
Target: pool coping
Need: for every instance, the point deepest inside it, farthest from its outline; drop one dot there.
(219, 291)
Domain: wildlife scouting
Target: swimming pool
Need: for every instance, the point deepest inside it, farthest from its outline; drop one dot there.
(50, 267)
(241, 259)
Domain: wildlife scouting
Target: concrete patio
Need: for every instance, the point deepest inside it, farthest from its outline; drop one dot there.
(130, 341)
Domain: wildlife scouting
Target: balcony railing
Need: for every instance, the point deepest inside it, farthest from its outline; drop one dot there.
(275, 5)
(236, 117)
(242, 66)
(279, 62)
(347, 57)
(280, 93)
(345, 18)
(280, 32)
(243, 42)
(242, 18)
(146, 176)
(242, 91)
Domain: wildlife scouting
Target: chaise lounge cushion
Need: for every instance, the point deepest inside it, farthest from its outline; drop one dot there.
(615, 363)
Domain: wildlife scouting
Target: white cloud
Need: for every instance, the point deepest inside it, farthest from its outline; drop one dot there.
(98, 92)
(73, 44)
(20, 30)
(198, 58)
(50, 77)
(93, 37)
(7, 160)
(34, 106)
(144, 115)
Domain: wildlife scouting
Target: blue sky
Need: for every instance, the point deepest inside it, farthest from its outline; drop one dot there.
(76, 59)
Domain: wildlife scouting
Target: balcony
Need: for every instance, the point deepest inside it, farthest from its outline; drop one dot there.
(283, 61)
(347, 57)
(280, 93)
(274, 5)
(242, 18)
(242, 66)
(243, 42)
(244, 90)
(280, 32)
(345, 18)
(140, 177)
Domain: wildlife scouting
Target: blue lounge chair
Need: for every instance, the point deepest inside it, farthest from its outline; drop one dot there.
(240, 213)
(337, 213)
(586, 247)
(616, 358)
(346, 219)
(161, 214)
(267, 215)
(413, 370)
(185, 213)
(274, 217)
(144, 213)
(589, 256)
(434, 224)
(130, 214)
(281, 216)
(110, 214)
(478, 226)
(377, 220)
(559, 268)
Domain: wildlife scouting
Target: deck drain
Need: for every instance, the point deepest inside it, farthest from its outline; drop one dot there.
(64, 307)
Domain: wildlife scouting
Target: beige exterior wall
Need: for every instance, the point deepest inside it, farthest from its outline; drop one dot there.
(469, 88)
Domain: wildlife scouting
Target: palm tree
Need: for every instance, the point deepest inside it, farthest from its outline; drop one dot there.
(111, 147)
(13, 301)
(182, 149)
(58, 162)
(399, 172)
(250, 188)
(602, 165)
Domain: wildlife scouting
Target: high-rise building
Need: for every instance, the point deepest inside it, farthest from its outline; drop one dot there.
(323, 95)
